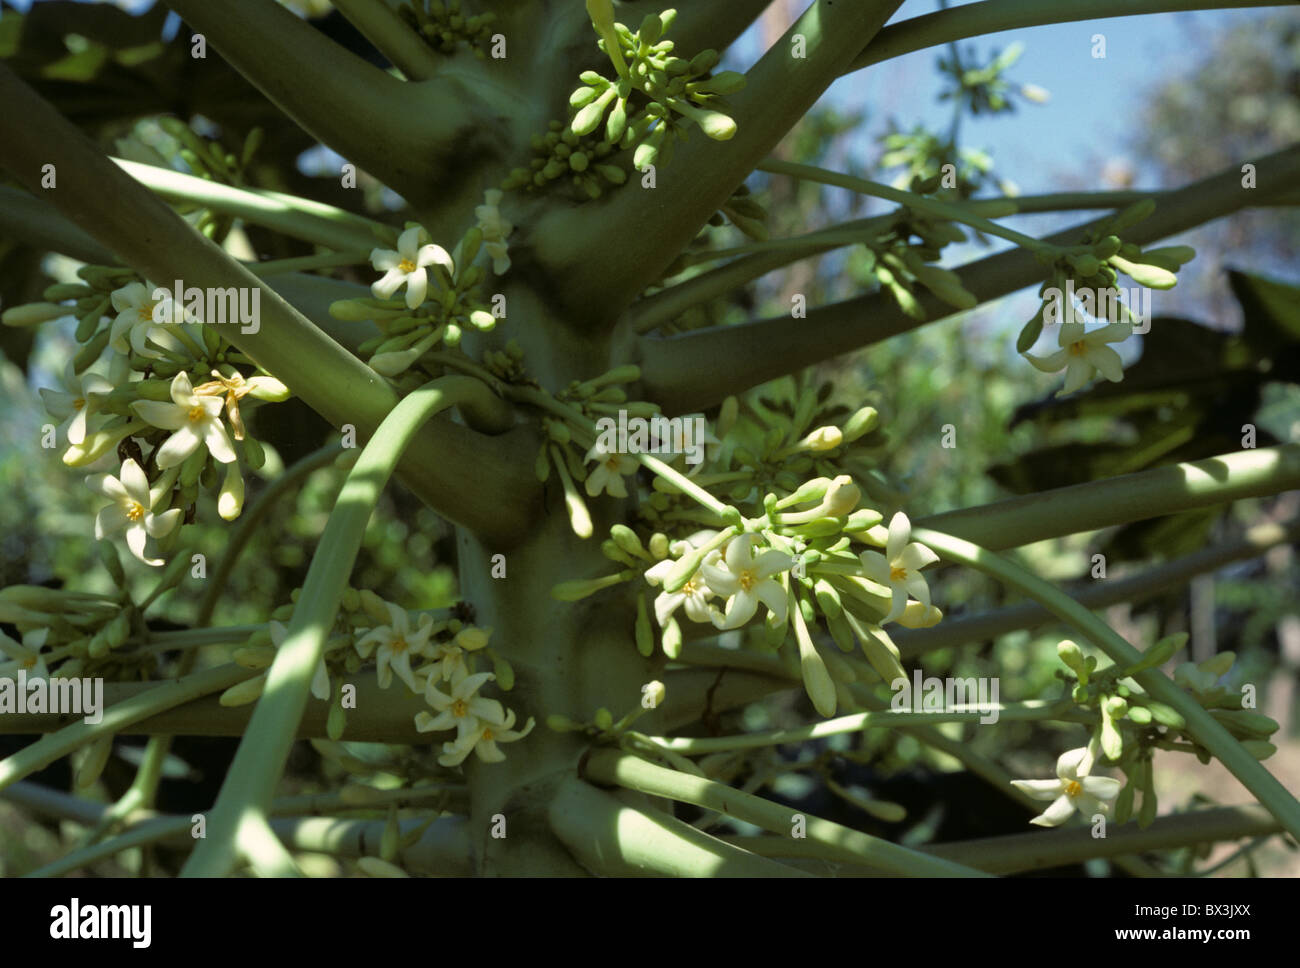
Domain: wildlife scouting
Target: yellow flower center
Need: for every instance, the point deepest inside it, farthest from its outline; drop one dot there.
(78, 403)
(1073, 788)
(460, 708)
(406, 265)
(29, 662)
(748, 579)
(612, 462)
(134, 511)
(196, 413)
(399, 645)
(487, 734)
(897, 573)
(1078, 348)
(146, 311)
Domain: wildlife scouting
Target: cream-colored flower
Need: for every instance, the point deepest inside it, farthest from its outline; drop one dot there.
(25, 655)
(1083, 354)
(482, 739)
(449, 657)
(234, 388)
(141, 318)
(694, 595)
(463, 710)
(495, 228)
(1072, 789)
(195, 420)
(407, 266)
(745, 581)
(132, 509)
(397, 644)
(899, 568)
(607, 475)
(78, 400)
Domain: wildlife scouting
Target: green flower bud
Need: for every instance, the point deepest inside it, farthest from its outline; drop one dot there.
(96, 758)
(1124, 804)
(1258, 748)
(31, 314)
(1166, 715)
(1152, 277)
(1072, 656)
(1139, 715)
(645, 643)
(672, 639)
(1107, 247)
(96, 445)
(860, 424)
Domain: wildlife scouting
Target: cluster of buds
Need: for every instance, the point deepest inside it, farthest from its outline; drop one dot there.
(983, 90)
(70, 633)
(653, 101)
(923, 157)
(1131, 725)
(444, 26)
(672, 94)
(426, 315)
(560, 153)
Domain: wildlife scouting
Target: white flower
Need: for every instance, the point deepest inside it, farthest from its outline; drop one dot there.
(132, 509)
(78, 403)
(195, 419)
(1072, 790)
(1084, 354)
(482, 739)
(26, 655)
(462, 710)
(139, 316)
(450, 656)
(608, 473)
(406, 266)
(899, 567)
(495, 228)
(320, 680)
(745, 581)
(694, 595)
(398, 642)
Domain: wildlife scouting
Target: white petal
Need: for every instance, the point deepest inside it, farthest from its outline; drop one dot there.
(900, 533)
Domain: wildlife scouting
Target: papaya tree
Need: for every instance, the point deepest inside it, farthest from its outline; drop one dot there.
(660, 513)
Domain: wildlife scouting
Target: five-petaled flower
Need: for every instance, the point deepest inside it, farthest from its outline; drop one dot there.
(132, 509)
(77, 404)
(449, 657)
(1072, 789)
(482, 739)
(235, 388)
(407, 265)
(745, 581)
(1083, 354)
(25, 655)
(463, 710)
(608, 473)
(694, 595)
(140, 318)
(899, 568)
(195, 420)
(398, 643)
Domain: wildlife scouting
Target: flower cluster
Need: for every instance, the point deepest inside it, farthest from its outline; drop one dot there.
(780, 561)
(441, 292)
(652, 102)
(167, 404)
(1082, 288)
(445, 26)
(432, 656)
